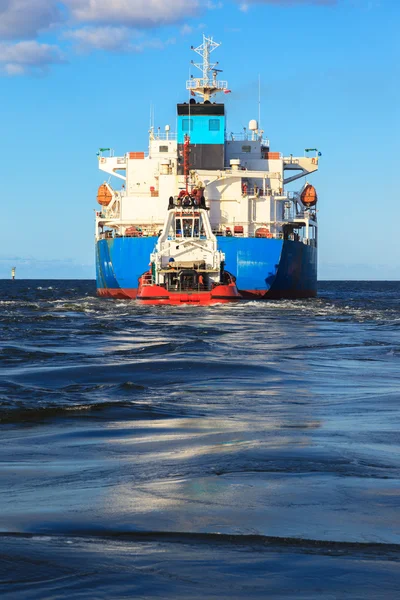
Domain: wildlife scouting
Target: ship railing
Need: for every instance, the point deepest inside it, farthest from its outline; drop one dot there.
(259, 192)
(142, 233)
(309, 215)
(187, 204)
(246, 137)
(290, 160)
(182, 287)
(176, 266)
(114, 234)
(110, 214)
(157, 135)
(222, 233)
(228, 230)
(147, 279)
(200, 82)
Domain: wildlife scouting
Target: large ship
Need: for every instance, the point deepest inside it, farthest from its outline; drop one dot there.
(267, 235)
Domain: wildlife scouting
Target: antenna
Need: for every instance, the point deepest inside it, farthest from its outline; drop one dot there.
(204, 51)
(151, 130)
(259, 101)
(206, 85)
(191, 93)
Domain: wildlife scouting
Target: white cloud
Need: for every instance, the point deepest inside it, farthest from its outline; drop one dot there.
(186, 29)
(25, 18)
(13, 69)
(114, 39)
(155, 44)
(22, 19)
(111, 25)
(133, 13)
(28, 57)
(101, 38)
(245, 6)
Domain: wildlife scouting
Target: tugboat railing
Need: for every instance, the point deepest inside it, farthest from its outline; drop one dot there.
(180, 287)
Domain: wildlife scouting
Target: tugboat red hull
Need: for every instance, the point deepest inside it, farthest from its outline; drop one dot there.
(156, 294)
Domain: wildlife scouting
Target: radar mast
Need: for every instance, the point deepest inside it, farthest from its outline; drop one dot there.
(207, 85)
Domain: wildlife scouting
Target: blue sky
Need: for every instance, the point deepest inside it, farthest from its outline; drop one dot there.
(79, 74)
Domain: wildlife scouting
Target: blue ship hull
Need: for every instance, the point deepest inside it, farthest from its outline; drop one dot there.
(264, 268)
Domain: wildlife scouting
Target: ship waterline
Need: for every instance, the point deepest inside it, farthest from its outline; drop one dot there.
(264, 268)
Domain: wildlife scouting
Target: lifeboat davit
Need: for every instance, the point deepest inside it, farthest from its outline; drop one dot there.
(309, 196)
(104, 195)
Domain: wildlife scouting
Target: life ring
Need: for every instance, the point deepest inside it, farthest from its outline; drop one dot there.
(313, 161)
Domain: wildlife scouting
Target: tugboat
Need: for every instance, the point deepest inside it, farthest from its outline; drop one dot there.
(186, 266)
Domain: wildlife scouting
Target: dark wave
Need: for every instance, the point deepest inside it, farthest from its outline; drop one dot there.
(105, 410)
(267, 543)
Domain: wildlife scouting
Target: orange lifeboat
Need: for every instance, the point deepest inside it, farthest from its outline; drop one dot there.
(133, 231)
(104, 196)
(309, 196)
(263, 232)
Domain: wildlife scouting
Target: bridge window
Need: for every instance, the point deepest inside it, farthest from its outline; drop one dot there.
(246, 148)
(189, 227)
(163, 149)
(214, 125)
(187, 124)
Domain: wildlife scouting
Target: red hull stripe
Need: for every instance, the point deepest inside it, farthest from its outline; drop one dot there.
(119, 293)
(156, 294)
(131, 293)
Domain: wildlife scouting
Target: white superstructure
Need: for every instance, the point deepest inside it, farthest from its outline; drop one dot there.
(246, 196)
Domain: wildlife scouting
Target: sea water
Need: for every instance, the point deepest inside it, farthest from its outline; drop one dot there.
(249, 450)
